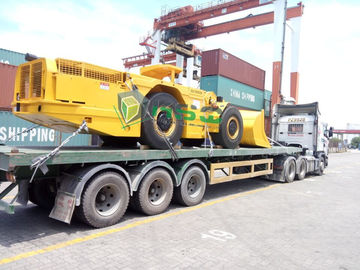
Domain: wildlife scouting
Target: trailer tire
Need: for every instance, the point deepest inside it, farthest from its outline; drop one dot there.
(290, 170)
(43, 193)
(230, 129)
(192, 188)
(104, 200)
(155, 192)
(320, 170)
(161, 124)
(302, 170)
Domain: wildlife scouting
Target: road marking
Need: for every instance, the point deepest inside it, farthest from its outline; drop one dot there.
(129, 226)
(218, 235)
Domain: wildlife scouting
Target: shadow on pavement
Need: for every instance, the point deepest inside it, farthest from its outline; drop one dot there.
(32, 222)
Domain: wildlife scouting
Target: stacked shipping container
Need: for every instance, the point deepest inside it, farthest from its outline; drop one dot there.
(220, 63)
(10, 125)
(237, 81)
(7, 82)
(11, 58)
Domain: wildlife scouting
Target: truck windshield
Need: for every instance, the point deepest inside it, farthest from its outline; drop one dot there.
(295, 128)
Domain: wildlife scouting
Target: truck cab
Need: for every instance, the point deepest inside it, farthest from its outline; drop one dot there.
(301, 126)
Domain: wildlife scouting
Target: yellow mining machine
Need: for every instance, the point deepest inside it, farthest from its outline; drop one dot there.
(124, 108)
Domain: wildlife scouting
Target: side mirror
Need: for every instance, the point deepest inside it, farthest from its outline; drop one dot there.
(331, 132)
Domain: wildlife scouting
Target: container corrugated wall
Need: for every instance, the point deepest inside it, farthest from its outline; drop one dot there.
(267, 109)
(219, 62)
(236, 93)
(267, 102)
(11, 58)
(7, 82)
(40, 136)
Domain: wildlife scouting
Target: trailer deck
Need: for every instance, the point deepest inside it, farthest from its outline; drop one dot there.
(64, 174)
(12, 157)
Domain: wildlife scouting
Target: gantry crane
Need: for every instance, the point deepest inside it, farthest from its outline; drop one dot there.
(181, 25)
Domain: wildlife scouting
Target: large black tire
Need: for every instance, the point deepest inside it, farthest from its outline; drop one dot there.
(104, 200)
(320, 170)
(290, 170)
(192, 188)
(302, 170)
(155, 192)
(230, 129)
(42, 192)
(161, 124)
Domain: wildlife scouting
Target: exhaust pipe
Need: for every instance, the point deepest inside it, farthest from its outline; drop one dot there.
(30, 57)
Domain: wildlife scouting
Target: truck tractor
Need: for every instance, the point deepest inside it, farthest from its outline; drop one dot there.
(301, 126)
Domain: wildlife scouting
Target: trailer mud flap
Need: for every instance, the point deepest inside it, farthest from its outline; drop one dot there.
(64, 207)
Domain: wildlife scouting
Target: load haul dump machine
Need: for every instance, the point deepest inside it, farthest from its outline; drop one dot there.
(124, 108)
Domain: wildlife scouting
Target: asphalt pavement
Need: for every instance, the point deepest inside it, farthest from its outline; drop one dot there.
(246, 224)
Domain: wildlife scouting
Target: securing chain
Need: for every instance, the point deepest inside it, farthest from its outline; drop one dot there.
(39, 162)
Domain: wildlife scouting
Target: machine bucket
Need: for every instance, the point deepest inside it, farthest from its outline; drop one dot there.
(254, 129)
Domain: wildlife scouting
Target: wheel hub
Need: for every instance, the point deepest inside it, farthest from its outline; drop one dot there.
(101, 197)
(107, 200)
(156, 192)
(232, 127)
(193, 186)
(163, 122)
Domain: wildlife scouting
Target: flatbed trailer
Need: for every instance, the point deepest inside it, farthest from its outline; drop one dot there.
(98, 183)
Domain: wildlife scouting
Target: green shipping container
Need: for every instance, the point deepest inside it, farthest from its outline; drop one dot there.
(236, 93)
(11, 58)
(11, 125)
(267, 102)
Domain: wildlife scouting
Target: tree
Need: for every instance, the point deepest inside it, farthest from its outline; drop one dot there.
(334, 142)
(355, 141)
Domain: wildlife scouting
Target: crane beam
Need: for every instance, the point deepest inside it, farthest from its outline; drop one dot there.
(244, 23)
(145, 59)
(192, 17)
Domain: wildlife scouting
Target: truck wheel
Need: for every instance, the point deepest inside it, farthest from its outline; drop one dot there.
(155, 192)
(320, 170)
(230, 129)
(42, 192)
(302, 170)
(104, 200)
(192, 188)
(290, 170)
(161, 109)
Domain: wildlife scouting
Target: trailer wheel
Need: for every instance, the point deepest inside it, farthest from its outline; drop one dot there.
(104, 200)
(230, 129)
(192, 188)
(155, 192)
(161, 109)
(320, 170)
(42, 192)
(302, 170)
(290, 170)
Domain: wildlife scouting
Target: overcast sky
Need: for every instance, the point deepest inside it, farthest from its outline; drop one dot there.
(103, 32)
